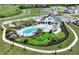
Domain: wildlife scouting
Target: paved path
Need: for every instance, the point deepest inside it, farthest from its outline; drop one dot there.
(38, 50)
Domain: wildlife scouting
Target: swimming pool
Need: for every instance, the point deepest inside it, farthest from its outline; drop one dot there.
(30, 31)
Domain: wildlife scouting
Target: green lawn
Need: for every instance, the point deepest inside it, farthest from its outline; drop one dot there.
(7, 10)
(69, 40)
(35, 12)
(75, 49)
(43, 39)
(60, 35)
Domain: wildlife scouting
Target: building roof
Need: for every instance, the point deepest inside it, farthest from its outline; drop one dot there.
(52, 18)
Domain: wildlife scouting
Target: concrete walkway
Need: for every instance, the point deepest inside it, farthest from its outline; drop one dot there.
(38, 50)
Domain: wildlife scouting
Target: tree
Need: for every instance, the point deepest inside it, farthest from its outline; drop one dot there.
(29, 22)
(25, 41)
(50, 31)
(22, 7)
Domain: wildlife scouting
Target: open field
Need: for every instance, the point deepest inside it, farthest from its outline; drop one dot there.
(7, 10)
(29, 12)
(35, 12)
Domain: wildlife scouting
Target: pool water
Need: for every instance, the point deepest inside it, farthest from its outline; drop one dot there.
(30, 30)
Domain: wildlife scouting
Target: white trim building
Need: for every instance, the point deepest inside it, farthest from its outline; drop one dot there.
(53, 21)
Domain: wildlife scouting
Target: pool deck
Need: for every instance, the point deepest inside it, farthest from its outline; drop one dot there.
(31, 32)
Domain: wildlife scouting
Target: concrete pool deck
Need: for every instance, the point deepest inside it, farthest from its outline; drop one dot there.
(30, 31)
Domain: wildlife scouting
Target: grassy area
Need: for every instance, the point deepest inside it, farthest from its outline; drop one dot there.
(43, 39)
(7, 10)
(35, 12)
(75, 49)
(39, 40)
(60, 35)
(69, 40)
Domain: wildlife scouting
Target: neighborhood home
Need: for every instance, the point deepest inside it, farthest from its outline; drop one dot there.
(72, 10)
